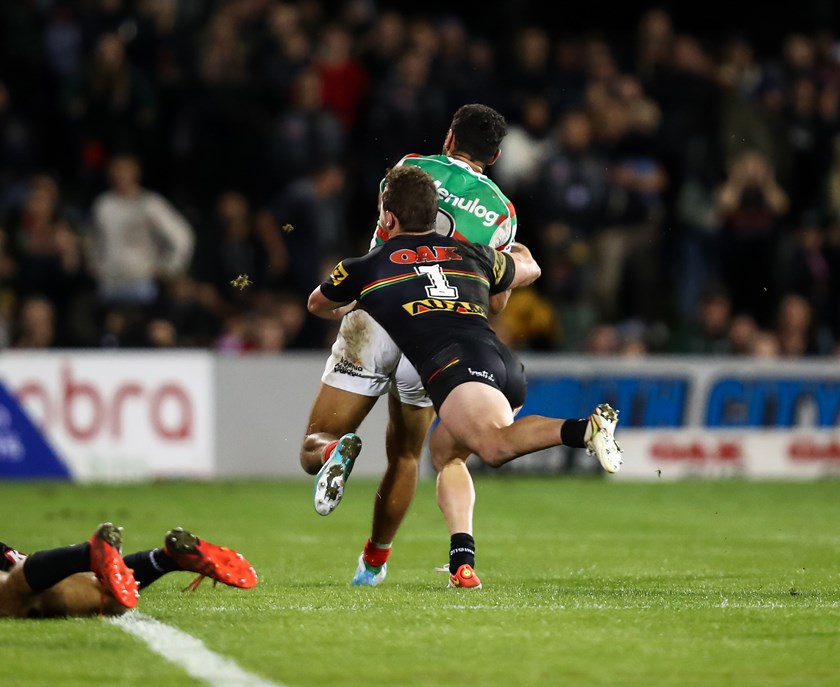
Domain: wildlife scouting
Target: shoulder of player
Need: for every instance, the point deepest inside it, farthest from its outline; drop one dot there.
(368, 257)
(420, 160)
(493, 186)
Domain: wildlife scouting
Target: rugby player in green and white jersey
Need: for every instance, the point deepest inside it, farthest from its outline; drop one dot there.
(365, 363)
(471, 207)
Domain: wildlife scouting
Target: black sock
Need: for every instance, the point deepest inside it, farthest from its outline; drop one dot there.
(572, 433)
(149, 566)
(43, 569)
(461, 550)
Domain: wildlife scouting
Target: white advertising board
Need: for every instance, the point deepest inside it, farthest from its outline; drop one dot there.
(765, 454)
(120, 415)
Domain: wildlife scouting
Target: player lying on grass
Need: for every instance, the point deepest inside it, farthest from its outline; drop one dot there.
(93, 577)
(431, 293)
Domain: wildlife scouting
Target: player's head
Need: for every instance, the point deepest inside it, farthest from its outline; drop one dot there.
(476, 131)
(410, 198)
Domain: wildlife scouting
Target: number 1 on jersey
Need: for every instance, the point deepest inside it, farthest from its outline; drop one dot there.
(440, 288)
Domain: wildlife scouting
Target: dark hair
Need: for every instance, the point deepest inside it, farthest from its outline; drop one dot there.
(410, 193)
(478, 130)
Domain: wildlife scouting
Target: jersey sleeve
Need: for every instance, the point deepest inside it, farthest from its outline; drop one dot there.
(498, 266)
(343, 284)
(505, 236)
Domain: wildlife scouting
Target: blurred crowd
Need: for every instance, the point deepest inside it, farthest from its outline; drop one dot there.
(681, 192)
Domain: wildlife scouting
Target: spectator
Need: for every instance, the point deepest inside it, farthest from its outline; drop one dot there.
(406, 111)
(382, 44)
(526, 145)
(626, 251)
(110, 106)
(309, 216)
(36, 324)
(764, 345)
(46, 248)
(751, 205)
(570, 204)
(527, 71)
(139, 240)
(743, 333)
(795, 327)
(708, 333)
(807, 270)
(307, 134)
(239, 242)
(284, 53)
(18, 150)
(344, 82)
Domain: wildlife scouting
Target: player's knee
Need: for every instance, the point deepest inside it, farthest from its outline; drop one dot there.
(311, 455)
(492, 450)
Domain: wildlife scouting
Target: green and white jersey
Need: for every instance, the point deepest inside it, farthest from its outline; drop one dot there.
(471, 207)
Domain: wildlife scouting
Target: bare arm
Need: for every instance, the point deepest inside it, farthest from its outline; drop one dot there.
(323, 307)
(527, 269)
(498, 301)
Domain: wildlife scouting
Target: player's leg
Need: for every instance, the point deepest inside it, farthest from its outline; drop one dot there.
(17, 599)
(450, 447)
(456, 499)
(454, 487)
(78, 595)
(334, 413)
(51, 582)
(357, 373)
(479, 417)
(184, 551)
(407, 428)
(331, 446)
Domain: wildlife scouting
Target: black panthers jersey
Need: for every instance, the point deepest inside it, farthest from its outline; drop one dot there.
(426, 290)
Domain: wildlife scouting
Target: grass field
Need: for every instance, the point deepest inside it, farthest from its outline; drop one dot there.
(587, 582)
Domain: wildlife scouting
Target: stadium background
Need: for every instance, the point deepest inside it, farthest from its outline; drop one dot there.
(250, 117)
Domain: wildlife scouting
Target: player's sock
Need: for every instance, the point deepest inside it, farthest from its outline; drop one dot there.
(150, 566)
(573, 431)
(461, 550)
(43, 569)
(328, 450)
(375, 555)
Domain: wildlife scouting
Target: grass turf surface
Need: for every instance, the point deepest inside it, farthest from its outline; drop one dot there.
(587, 582)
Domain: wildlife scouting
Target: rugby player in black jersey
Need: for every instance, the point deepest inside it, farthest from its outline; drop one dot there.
(431, 293)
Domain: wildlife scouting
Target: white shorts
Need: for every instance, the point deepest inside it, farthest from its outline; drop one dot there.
(366, 361)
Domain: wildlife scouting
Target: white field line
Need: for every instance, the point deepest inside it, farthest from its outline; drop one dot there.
(188, 653)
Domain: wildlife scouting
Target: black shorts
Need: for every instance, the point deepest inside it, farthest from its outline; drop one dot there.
(483, 360)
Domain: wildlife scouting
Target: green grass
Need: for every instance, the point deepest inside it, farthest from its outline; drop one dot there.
(587, 582)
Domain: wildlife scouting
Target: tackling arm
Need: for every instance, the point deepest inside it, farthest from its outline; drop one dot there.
(527, 269)
(322, 306)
